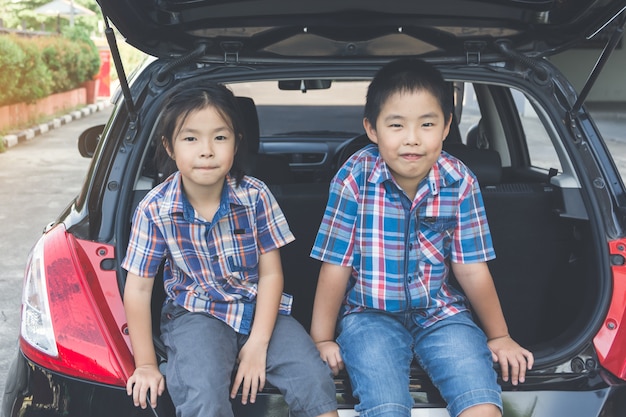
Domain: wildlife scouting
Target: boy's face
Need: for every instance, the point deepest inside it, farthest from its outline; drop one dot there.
(203, 149)
(410, 131)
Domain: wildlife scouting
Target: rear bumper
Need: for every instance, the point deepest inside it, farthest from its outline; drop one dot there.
(33, 391)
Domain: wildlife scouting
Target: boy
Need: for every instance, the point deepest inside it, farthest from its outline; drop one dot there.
(400, 214)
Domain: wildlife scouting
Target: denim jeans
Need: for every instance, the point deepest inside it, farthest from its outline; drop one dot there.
(378, 348)
(202, 353)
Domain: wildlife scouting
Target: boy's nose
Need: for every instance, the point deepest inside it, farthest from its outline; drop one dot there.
(413, 137)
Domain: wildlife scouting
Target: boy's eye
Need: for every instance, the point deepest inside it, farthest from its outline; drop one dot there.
(428, 124)
(395, 125)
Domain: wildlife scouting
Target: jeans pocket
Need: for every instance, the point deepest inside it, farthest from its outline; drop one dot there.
(171, 311)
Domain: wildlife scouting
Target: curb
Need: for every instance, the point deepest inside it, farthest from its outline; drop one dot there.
(14, 139)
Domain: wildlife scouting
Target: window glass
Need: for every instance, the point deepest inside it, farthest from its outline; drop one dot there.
(540, 148)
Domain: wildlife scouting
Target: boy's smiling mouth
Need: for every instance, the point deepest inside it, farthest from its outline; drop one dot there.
(411, 156)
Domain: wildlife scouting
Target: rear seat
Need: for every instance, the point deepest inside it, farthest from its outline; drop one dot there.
(532, 243)
(303, 206)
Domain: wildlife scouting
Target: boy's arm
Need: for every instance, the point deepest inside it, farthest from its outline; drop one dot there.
(252, 357)
(147, 378)
(477, 283)
(331, 288)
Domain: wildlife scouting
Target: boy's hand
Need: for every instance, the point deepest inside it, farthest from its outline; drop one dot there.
(146, 379)
(508, 353)
(330, 353)
(251, 371)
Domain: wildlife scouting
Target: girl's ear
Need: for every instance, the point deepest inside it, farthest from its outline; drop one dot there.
(166, 146)
(238, 142)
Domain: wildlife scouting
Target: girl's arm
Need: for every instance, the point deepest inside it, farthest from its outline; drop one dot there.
(252, 357)
(331, 288)
(477, 283)
(147, 378)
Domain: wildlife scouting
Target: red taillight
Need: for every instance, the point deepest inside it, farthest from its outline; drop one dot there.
(610, 342)
(85, 311)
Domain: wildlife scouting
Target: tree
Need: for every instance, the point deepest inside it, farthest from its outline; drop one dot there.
(19, 14)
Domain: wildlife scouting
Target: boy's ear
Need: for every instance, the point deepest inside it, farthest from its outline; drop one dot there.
(446, 131)
(370, 130)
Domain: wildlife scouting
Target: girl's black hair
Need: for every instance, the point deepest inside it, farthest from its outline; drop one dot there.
(407, 75)
(185, 99)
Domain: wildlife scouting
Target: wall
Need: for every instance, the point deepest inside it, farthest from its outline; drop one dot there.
(22, 114)
(610, 85)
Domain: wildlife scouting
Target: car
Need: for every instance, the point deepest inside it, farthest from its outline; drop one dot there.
(555, 202)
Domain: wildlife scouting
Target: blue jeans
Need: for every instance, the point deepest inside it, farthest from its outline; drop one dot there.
(202, 353)
(378, 348)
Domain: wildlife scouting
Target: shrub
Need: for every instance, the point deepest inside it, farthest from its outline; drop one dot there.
(11, 58)
(31, 68)
(88, 60)
(34, 78)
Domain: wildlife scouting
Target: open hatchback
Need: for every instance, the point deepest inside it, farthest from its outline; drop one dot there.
(555, 201)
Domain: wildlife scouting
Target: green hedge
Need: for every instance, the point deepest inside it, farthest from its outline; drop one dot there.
(35, 67)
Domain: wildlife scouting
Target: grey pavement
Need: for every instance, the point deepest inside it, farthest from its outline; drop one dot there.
(38, 178)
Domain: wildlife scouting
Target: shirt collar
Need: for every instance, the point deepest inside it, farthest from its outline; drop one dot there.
(175, 201)
(445, 171)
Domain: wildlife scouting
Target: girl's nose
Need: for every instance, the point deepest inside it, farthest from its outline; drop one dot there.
(206, 150)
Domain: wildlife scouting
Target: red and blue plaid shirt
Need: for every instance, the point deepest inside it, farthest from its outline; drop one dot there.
(400, 250)
(211, 266)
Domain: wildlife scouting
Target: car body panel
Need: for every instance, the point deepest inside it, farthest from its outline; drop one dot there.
(610, 342)
(53, 395)
(282, 29)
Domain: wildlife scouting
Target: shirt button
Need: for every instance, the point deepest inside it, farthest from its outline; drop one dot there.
(214, 258)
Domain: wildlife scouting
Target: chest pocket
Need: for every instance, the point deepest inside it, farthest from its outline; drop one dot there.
(435, 238)
(242, 254)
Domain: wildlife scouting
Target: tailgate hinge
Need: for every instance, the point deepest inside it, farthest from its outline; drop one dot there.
(231, 52)
(473, 49)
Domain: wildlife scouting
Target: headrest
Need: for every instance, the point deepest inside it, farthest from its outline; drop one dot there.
(250, 122)
(477, 137)
(485, 164)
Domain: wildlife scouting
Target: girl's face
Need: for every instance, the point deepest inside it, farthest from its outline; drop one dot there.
(203, 148)
(410, 131)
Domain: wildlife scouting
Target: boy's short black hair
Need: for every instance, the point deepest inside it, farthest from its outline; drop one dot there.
(406, 75)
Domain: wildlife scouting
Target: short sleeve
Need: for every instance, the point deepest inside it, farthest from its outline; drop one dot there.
(335, 239)
(146, 246)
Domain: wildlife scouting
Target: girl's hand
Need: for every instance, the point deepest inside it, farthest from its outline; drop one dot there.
(508, 353)
(251, 372)
(331, 355)
(146, 380)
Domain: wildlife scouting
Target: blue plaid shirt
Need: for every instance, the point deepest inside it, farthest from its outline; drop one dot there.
(400, 250)
(211, 266)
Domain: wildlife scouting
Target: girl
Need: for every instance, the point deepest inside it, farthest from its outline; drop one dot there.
(220, 233)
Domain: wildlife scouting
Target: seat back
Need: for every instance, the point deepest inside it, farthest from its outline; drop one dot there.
(271, 169)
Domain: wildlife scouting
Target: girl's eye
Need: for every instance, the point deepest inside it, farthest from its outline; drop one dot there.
(221, 137)
(189, 139)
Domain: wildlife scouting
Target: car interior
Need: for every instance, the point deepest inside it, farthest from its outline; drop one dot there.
(545, 258)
